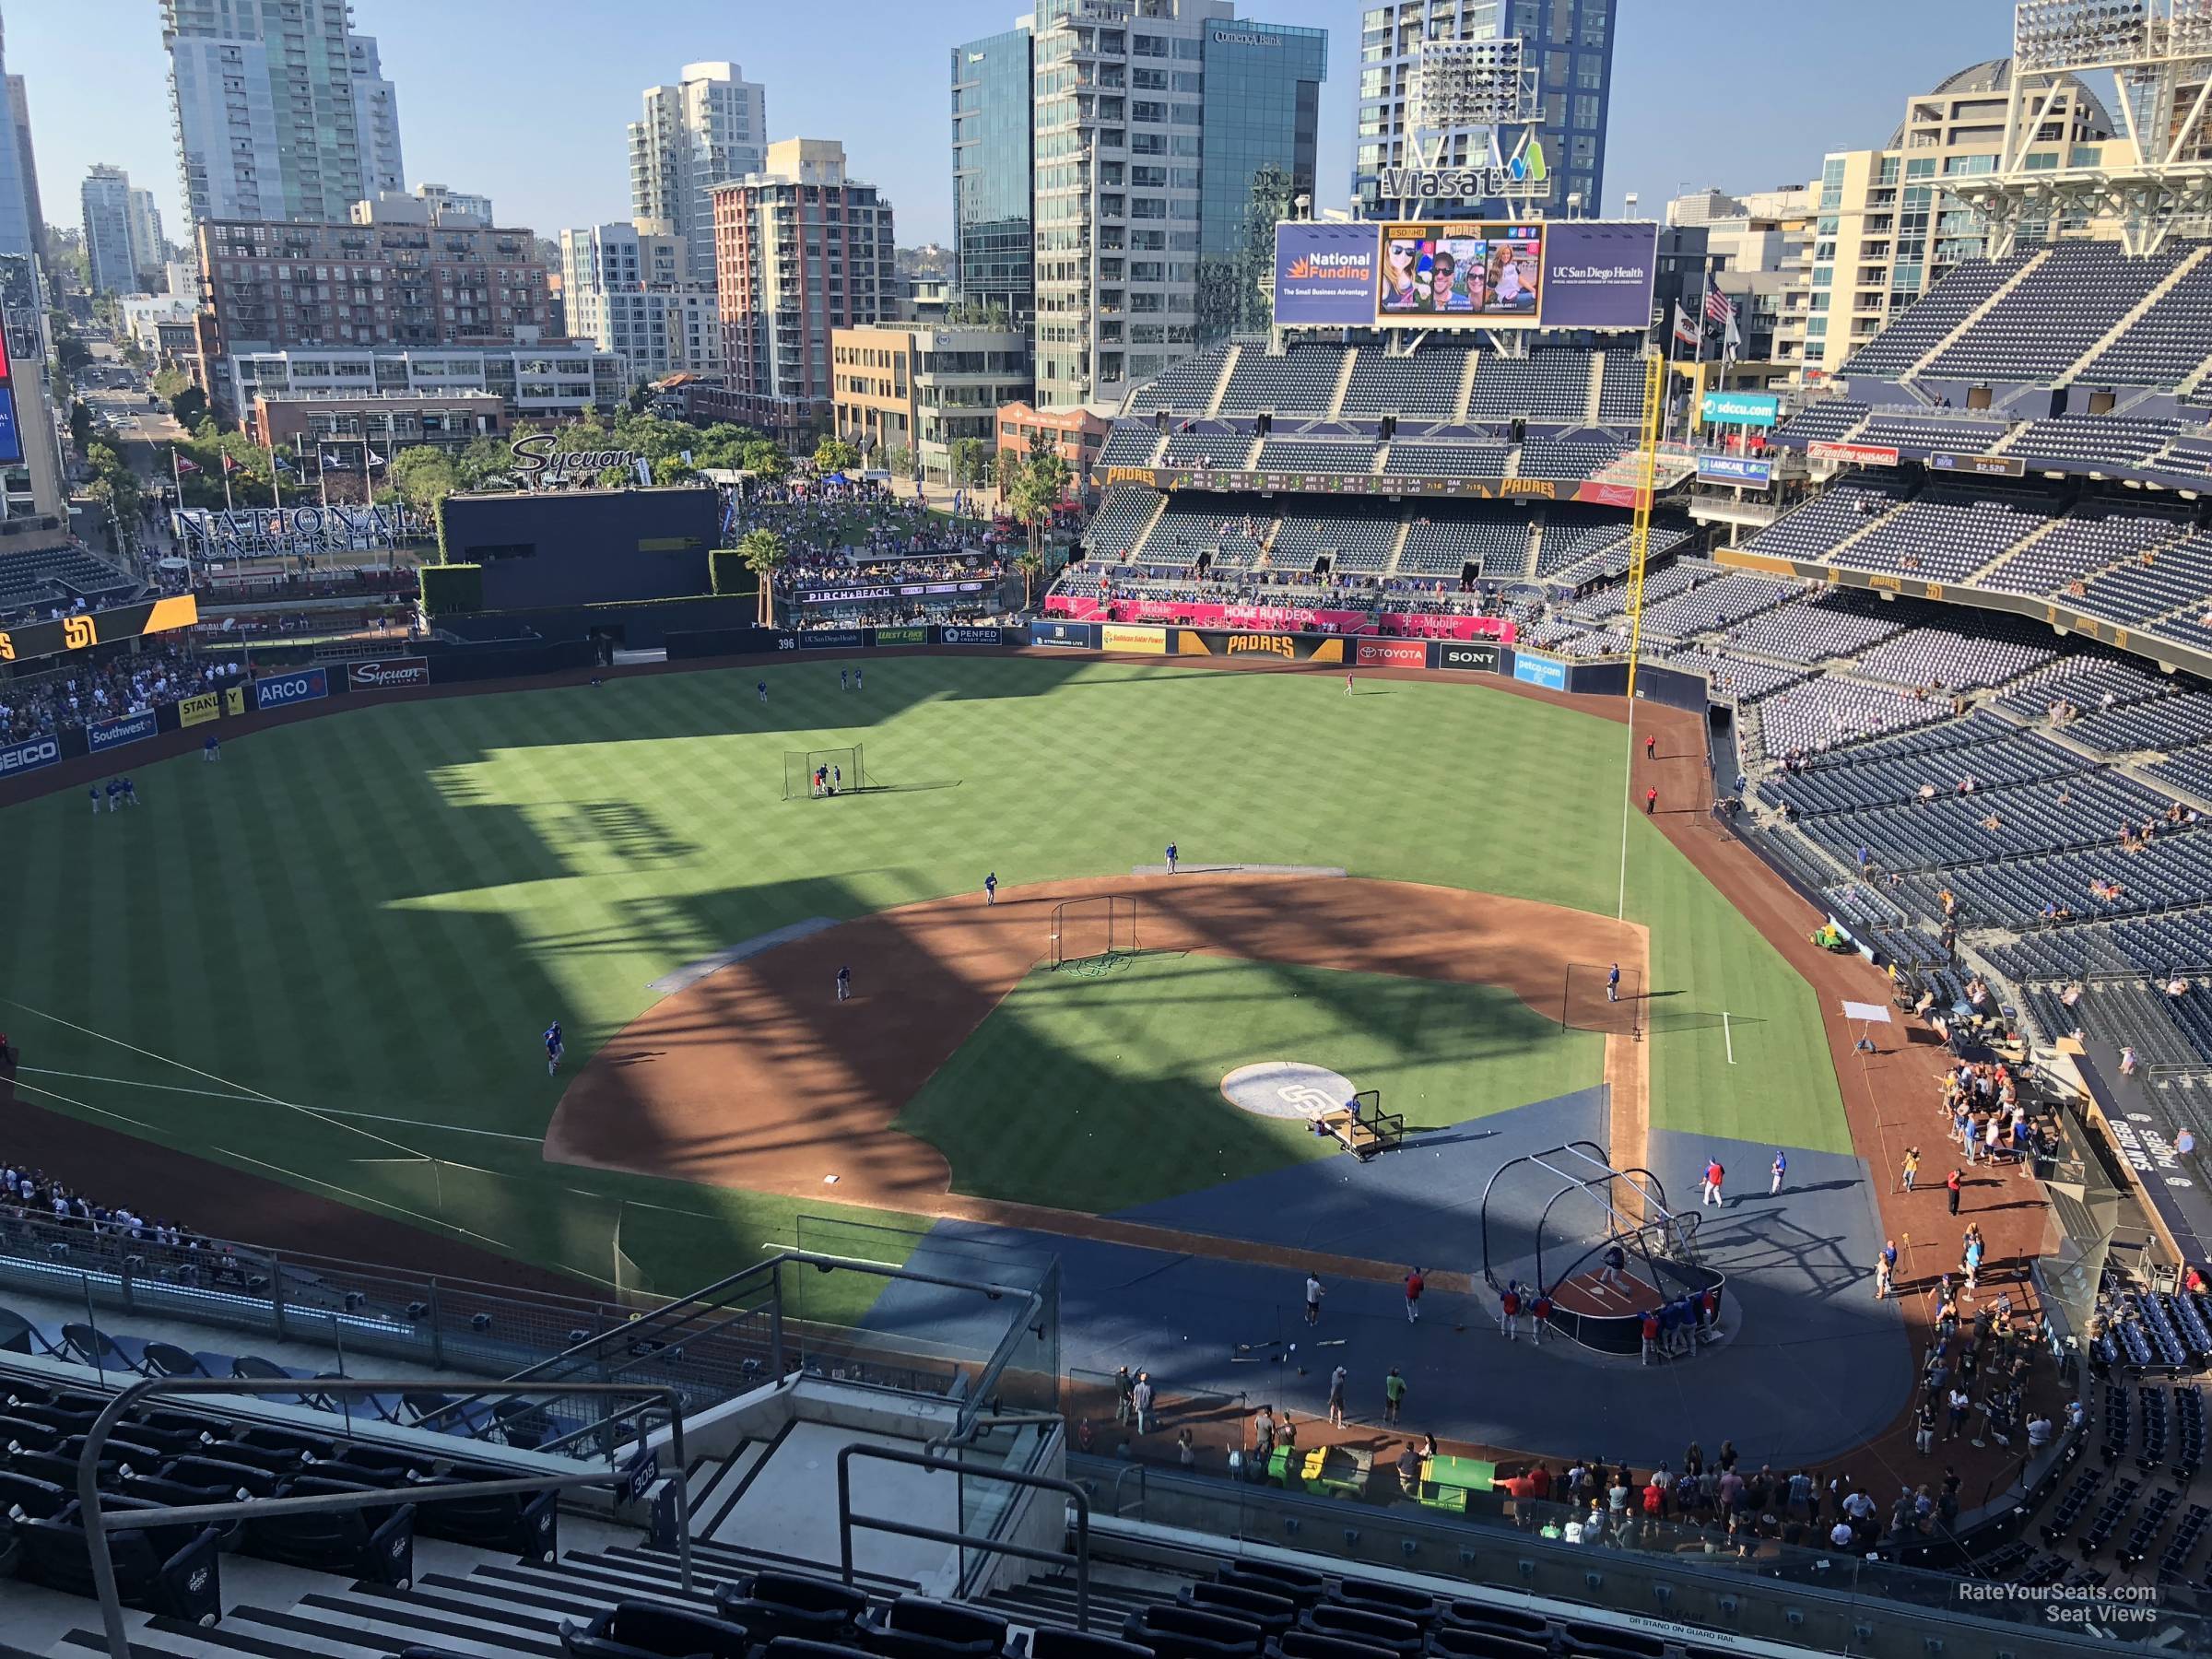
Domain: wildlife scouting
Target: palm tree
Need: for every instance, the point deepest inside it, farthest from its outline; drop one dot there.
(764, 553)
(1031, 563)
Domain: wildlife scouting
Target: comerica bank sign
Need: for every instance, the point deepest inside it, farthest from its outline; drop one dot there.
(1244, 37)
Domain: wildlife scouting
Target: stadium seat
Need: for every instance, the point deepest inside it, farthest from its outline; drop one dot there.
(1298, 1584)
(1054, 1642)
(1475, 1642)
(642, 1629)
(791, 1604)
(173, 1570)
(1178, 1632)
(376, 1544)
(166, 1360)
(1486, 1615)
(89, 1345)
(947, 1628)
(1307, 1644)
(1399, 1636)
(1399, 1600)
(526, 1523)
(1274, 1614)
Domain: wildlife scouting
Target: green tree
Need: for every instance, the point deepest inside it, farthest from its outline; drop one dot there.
(764, 460)
(971, 460)
(764, 553)
(422, 477)
(834, 454)
(1031, 563)
(169, 382)
(1038, 486)
(80, 428)
(189, 406)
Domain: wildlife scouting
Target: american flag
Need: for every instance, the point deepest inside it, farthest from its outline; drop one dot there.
(1719, 308)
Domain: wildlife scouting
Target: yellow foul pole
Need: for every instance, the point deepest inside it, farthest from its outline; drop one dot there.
(1655, 390)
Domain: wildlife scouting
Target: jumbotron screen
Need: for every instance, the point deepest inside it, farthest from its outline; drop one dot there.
(1462, 272)
(11, 437)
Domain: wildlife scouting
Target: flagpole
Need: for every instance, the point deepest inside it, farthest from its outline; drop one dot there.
(322, 473)
(225, 458)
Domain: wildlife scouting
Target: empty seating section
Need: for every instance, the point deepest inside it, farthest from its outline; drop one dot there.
(1299, 383)
(1817, 628)
(1229, 452)
(1956, 658)
(1120, 520)
(2090, 682)
(2053, 314)
(2078, 438)
(1566, 457)
(1812, 531)
(2189, 770)
(1825, 713)
(1317, 455)
(2190, 455)
(1423, 385)
(1183, 535)
(2011, 757)
(1931, 431)
(1187, 387)
(1565, 544)
(1498, 546)
(1131, 444)
(1446, 460)
(1713, 605)
(1356, 544)
(1732, 678)
(2046, 816)
(1552, 384)
(2161, 945)
(2090, 537)
(28, 579)
(1933, 316)
(2166, 343)
(1945, 534)
(1824, 422)
(1620, 390)
(2173, 869)
(1613, 559)
(1677, 578)
(2169, 578)
(2166, 722)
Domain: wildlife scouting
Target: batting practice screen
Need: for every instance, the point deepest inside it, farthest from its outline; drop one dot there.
(1099, 930)
(818, 775)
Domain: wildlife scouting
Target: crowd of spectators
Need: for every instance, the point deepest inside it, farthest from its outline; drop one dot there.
(38, 1210)
(84, 693)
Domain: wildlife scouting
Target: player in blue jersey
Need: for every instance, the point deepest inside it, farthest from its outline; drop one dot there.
(553, 1048)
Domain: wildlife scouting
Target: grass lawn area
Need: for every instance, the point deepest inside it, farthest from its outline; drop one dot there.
(377, 913)
(1101, 1093)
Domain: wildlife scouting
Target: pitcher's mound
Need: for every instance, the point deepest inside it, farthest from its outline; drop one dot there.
(1285, 1089)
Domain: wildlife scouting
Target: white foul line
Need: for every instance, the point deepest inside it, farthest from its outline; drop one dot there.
(1727, 1037)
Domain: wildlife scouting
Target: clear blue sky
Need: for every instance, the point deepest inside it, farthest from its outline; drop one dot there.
(527, 100)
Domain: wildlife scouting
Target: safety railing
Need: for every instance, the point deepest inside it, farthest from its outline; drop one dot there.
(99, 1522)
(1079, 1557)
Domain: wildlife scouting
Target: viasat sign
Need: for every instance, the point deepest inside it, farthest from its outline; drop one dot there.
(1466, 274)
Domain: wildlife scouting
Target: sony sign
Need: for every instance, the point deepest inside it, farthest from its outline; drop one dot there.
(1458, 185)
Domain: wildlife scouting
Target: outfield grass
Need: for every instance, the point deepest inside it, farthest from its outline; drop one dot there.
(380, 911)
(1102, 1093)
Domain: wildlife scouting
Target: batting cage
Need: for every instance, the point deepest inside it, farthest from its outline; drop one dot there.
(1592, 1000)
(1600, 1241)
(1093, 936)
(819, 775)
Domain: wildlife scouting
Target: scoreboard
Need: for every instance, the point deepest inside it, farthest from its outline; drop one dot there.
(87, 629)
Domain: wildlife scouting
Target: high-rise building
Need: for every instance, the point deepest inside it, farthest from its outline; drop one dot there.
(1884, 230)
(22, 228)
(993, 259)
(108, 254)
(149, 249)
(624, 289)
(1568, 42)
(15, 104)
(707, 129)
(280, 110)
(453, 206)
(1148, 121)
(800, 250)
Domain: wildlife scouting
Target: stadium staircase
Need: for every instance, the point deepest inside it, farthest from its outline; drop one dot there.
(1344, 384)
(1527, 572)
(1592, 405)
(1866, 529)
(1137, 543)
(2159, 290)
(1381, 461)
(2048, 527)
(1397, 547)
(1466, 390)
(1995, 296)
(1228, 369)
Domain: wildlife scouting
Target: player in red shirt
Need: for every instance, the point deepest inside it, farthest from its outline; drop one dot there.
(1508, 1312)
(1414, 1285)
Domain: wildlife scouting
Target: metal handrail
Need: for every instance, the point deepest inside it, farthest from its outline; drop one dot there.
(97, 1522)
(847, 1520)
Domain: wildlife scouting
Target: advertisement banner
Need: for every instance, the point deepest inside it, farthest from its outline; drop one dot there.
(1078, 636)
(1979, 466)
(876, 594)
(234, 699)
(1393, 653)
(911, 634)
(832, 639)
(280, 690)
(97, 627)
(388, 675)
(1548, 672)
(199, 711)
(29, 757)
(1285, 618)
(1145, 641)
(1460, 274)
(1734, 469)
(113, 733)
(952, 634)
(1598, 275)
(1740, 408)
(1857, 454)
(1283, 647)
(1324, 273)
(1468, 657)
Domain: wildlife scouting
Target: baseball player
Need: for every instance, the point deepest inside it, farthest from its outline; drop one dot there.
(991, 888)
(553, 1048)
(844, 985)
(1171, 855)
(760, 689)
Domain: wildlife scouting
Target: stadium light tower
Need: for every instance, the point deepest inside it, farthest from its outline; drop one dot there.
(1462, 94)
(2157, 55)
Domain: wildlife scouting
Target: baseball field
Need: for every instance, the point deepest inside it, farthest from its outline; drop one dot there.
(328, 959)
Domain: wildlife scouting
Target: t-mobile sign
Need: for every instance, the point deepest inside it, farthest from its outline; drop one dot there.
(1598, 276)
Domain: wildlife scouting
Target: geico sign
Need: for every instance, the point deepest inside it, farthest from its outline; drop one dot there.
(28, 757)
(407, 671)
